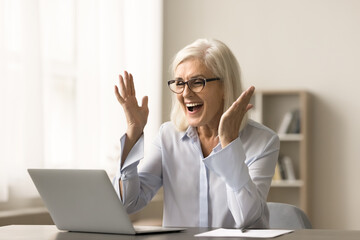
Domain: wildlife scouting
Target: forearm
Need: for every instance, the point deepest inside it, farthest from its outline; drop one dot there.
(247, 207)
(135, 149)
(129, 143)
(131, 139)
(129, 190)
(247, 179)
(136, 189)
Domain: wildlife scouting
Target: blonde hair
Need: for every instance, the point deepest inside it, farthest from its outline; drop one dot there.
(219, 59)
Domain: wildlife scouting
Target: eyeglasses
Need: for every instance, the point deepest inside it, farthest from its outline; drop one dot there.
(194, 84)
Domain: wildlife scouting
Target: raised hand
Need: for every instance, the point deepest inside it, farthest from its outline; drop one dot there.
(231, 120)
(136, 115)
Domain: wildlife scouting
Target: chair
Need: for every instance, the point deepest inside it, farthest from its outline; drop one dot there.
(286, 216)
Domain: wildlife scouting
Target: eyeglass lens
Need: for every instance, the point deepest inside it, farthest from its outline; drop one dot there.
(195, 85)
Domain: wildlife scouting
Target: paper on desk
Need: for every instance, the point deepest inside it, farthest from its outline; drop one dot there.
(255, 233)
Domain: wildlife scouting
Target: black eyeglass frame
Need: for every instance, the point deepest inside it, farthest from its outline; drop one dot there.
(191, 80)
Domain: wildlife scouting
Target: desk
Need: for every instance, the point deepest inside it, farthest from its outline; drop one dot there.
(39, 232)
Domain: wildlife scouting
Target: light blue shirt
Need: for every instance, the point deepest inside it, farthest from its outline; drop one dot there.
(226, 189)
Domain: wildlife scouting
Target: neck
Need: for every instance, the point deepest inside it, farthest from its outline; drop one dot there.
(208, 139)
(210, 130)
(207, 132)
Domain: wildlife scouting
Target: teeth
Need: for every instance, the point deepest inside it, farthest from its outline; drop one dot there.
(193, 104)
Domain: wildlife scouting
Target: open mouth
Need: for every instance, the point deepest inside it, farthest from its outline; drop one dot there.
(193, 106)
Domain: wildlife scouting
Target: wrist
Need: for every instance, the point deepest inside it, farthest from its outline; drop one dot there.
(134, 133)
(226, 140)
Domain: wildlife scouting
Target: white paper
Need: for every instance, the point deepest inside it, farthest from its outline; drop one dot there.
(251, 233)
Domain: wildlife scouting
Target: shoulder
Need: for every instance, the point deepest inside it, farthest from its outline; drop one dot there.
(258, 127)
(256, 133)
(167, 127)
(254, 127)
(168, 131)
(169, 139)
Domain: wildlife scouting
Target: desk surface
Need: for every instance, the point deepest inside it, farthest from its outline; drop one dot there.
(38, 232)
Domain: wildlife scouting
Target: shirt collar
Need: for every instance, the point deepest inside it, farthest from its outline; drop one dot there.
(190, 133)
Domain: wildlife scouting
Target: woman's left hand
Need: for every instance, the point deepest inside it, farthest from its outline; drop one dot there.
(230, 121)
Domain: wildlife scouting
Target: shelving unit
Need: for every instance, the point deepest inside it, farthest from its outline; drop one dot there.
(269, 109)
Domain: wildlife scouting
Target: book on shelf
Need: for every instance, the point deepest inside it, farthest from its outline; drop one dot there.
(277, 175)
(288, 166)
(290, 122)
(284, 169)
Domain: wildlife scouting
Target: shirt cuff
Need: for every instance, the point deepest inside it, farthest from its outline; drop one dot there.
(135, 154)
(229, 164)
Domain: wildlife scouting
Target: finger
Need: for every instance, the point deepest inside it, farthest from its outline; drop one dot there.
(117, 94)
(132, 85)
(246, 95)
(144, 102)
(127, 83)
(249, 94)
(242, 103)
(251, 91)
(122, 86)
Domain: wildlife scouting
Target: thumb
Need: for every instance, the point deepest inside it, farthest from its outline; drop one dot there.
(249, 106)
(144, 102)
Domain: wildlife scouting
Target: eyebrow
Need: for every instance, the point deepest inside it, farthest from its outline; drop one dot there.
(193, 77)
(196, 76)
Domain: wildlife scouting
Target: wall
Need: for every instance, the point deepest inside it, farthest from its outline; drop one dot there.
(290, 44)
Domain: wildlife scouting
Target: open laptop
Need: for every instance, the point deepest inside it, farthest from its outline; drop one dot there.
(85, 201)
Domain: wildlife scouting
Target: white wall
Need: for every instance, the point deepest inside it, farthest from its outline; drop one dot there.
(290, 44)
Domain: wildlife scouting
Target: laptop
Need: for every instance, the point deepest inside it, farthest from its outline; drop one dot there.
(86, 201)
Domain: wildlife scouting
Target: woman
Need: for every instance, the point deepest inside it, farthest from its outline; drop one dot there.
(215, 166)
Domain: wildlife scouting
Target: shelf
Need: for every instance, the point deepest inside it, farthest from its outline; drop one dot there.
(287, 183)
(271, 108)
(290, 137)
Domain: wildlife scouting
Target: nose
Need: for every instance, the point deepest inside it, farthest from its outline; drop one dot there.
(187, 92)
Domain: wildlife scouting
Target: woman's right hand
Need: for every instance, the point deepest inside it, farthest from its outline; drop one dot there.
(136, 116)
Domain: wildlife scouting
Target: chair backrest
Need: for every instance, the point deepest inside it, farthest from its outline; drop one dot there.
(286, 216)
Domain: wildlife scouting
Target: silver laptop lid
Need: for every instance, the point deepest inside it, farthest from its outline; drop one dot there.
(82, 200)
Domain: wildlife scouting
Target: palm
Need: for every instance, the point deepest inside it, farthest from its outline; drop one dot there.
(136, 116)
(231, 120)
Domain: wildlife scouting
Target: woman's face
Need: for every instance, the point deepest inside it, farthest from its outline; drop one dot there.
(205, 107)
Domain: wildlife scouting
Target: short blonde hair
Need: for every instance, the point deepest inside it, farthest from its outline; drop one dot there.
(219, 59)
